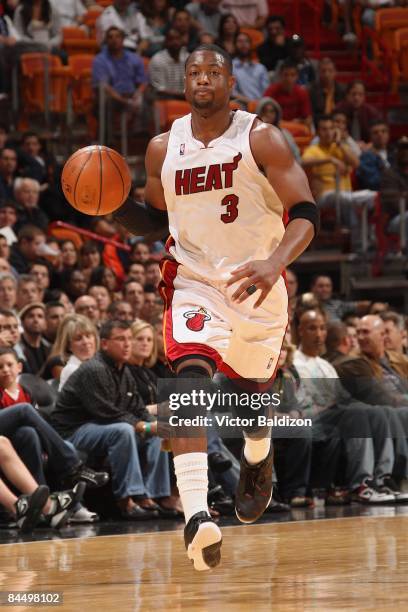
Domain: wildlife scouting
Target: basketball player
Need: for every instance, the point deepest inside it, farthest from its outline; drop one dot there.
(221, 180)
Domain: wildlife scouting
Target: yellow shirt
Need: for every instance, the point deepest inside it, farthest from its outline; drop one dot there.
(323, 176)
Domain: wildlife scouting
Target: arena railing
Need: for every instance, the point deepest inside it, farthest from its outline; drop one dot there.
(55, 225)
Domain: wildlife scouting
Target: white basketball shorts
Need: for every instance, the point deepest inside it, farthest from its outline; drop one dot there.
(200, 319)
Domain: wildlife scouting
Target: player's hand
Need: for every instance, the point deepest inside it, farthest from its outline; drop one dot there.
(261, 273)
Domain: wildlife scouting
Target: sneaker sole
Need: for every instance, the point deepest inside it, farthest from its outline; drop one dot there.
(246, 520)
(205, 549)
(37, 502)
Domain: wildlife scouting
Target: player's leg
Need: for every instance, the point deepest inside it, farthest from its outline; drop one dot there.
(202, 537)
(249, 364)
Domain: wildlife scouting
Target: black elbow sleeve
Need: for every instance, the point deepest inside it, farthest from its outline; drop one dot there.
(306, 210)
(143, 220)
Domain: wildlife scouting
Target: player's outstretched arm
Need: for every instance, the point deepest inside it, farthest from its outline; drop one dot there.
(150, 219)
(289, 181)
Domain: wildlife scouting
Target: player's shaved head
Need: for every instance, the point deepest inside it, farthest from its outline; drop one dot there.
(221, 56)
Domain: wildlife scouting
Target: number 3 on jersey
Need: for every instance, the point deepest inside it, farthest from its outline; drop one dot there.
(231, 202)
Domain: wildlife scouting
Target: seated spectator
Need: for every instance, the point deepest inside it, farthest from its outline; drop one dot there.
(155, 17)
(104, 277)
(340, 123)
(100, 411)
(74, 283)
(10, 335)
(35, 162)
(29, 246)
(27, 291)
(120, 311)
(330, 164)
(292, 287)
(322, 289)
(54, 315)
(152, 304)
(335, 414)
(359, 114)
(269, 111)
(136, 272)
(77, 340)
(40, 271)
(183, 24)
(293, 98)
(206, 15)
(8, 169)
(251, 78)
(87, 306)
(293, 455)
(8, 291)
(166, 68)
(8, 218)
(140, 252)
(90, 257)
(124, 16)
(305, 66)
(394, 185)
(275, 48)
(152, 273)
(27, 196)
(134, 295)
(26, 509)
(326, 92)
(71, 12)
(33, 344)
(103, 300)
(121, 71)
(8, 43)
(358, 373)
(377, 375)
(57, 295)
(227, 33)
(376, 158)
(249, 14)
(395, 332)
(38, 23)
(69, 254)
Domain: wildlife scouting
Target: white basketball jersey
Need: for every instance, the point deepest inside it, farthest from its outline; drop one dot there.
(222, 210)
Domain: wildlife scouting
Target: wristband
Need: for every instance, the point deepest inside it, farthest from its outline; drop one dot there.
(147, 428)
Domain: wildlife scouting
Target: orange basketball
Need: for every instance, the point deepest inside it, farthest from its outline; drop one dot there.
(96, 180)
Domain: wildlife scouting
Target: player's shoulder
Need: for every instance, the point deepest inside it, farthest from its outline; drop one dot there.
(266, 138)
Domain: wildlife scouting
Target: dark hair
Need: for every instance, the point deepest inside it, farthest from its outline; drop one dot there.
(318, 121)
(40, 262)
(113, 306)
(222, 22)
(336, 332)
(273, 18)
(90, 246)
(289, 63)
(29, 232)
(27, 11)
(149, 288)
(52, 295)
(213, 49)
(9, 351)
(98, 274)
(379, 122)
(9, 204)
(53, 304)
(316, 276)
(108, 326)
(355, 82)
(396, 318)
(113, 27)
(6, 312)
(30, 135)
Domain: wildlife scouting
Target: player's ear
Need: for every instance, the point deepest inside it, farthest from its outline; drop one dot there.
(231, 82)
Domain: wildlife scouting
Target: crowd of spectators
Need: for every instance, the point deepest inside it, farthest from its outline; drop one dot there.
(81, 346)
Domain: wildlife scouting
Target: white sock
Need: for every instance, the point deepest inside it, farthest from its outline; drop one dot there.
(256, 450)
(192, 482)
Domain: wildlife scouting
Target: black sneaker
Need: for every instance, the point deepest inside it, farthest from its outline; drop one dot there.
(219, 463)
(254, 491)
(203, 539)
(91, 478)
(29, 508)
(65, 503)
(389, 486)
(221, 502)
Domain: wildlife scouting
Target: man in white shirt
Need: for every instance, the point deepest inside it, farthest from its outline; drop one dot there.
(248, 13)
(70, 12)
(337, 416)
(124, 15)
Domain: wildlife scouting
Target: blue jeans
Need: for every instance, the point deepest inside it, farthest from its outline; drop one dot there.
(31, 435)
(120, 444)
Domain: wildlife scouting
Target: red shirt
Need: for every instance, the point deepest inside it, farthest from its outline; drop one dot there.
(6, 400)
(295, 105)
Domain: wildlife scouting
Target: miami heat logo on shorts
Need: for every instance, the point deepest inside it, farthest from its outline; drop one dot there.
(196, 319)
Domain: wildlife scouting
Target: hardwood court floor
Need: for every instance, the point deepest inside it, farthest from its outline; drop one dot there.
(349, 564)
